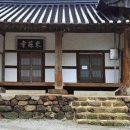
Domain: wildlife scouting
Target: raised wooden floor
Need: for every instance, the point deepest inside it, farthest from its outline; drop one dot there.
(52, 84)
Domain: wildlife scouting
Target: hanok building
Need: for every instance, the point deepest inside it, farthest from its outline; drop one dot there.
(70, 44)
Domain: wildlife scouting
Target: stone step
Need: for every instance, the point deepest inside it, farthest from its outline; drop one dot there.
(94, 103)
(102, 109)
(102, 116)
(104, 122)
(111, 98)
(25, 92)
(95, 93)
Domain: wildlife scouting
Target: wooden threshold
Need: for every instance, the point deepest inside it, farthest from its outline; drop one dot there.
(106, 85)
(44, 84)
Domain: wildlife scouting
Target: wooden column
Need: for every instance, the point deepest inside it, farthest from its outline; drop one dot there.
(3, 59)
(126, 60)
(58, 61)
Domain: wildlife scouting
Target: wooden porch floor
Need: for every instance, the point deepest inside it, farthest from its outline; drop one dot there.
(52, 84)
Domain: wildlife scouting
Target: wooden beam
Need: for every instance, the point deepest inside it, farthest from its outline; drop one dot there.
(58, 60)
(126, 60)
(28, 84)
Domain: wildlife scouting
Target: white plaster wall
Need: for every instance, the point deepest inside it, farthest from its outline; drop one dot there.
(11, 39)
(69, 75)
(88, 41)
(49, 75)
(1, 50)
(112, 76)
(109, 62)
(11, 75)
(69, 59)
(71, 41)
(1, 43)
(49, 59)
(10, 58)
(0, 67)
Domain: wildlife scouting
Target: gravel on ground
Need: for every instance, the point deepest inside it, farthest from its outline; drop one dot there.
(51, 125)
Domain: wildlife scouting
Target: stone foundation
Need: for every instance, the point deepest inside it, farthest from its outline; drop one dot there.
(85, 110)
(36, 107)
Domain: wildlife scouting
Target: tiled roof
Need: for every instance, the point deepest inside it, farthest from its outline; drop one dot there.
(55, 12)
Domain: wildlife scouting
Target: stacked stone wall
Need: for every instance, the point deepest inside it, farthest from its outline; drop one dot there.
(36, 107)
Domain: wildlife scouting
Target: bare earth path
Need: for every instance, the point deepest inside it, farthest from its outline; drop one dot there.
(50, 125)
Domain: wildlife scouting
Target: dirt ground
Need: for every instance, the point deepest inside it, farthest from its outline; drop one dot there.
(50, 125)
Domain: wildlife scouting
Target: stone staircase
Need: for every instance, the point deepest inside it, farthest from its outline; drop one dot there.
(111, 111)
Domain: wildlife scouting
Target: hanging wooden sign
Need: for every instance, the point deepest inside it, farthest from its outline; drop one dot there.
(30, 44)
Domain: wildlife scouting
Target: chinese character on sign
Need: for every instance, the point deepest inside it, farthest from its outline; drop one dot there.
(30, 44)
(37, 44)
(23, 44)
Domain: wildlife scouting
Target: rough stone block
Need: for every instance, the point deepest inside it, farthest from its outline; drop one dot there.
(88, 121)
(78, 110)
(22, 97)
(69, 115)
(32, 102)
(92, 116)
(107, 104)
(40, 102)
(122, 123)
(18, 108)
(10, 115)
(51, 97)
(55, 102)
(22, 103)
(30, 108)
(25, 115)
(66, 108)
(50, 115)
(127, 99)
(44, 98)
(48, 103)
(5, 108)
(81, 116)
(84, 103)
(60, 115)
(120, 110)
(2, 102)
(118, 104)
(94, 103)
(76, 103)
(38, 115)
(7, 97)
(82, 98)
(105, 116)
(107, 123)
(35, 97)
(56, 108)
(14, 102)
(40, 108)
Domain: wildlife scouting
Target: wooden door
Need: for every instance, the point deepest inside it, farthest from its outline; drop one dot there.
(90, 68)
(30, 67)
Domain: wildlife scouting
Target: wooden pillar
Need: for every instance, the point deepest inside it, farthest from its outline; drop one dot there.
(58, 61)
(126, 60)
(3, 59)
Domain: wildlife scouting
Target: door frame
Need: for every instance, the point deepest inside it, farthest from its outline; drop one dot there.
(103, 66)
(42, 65)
